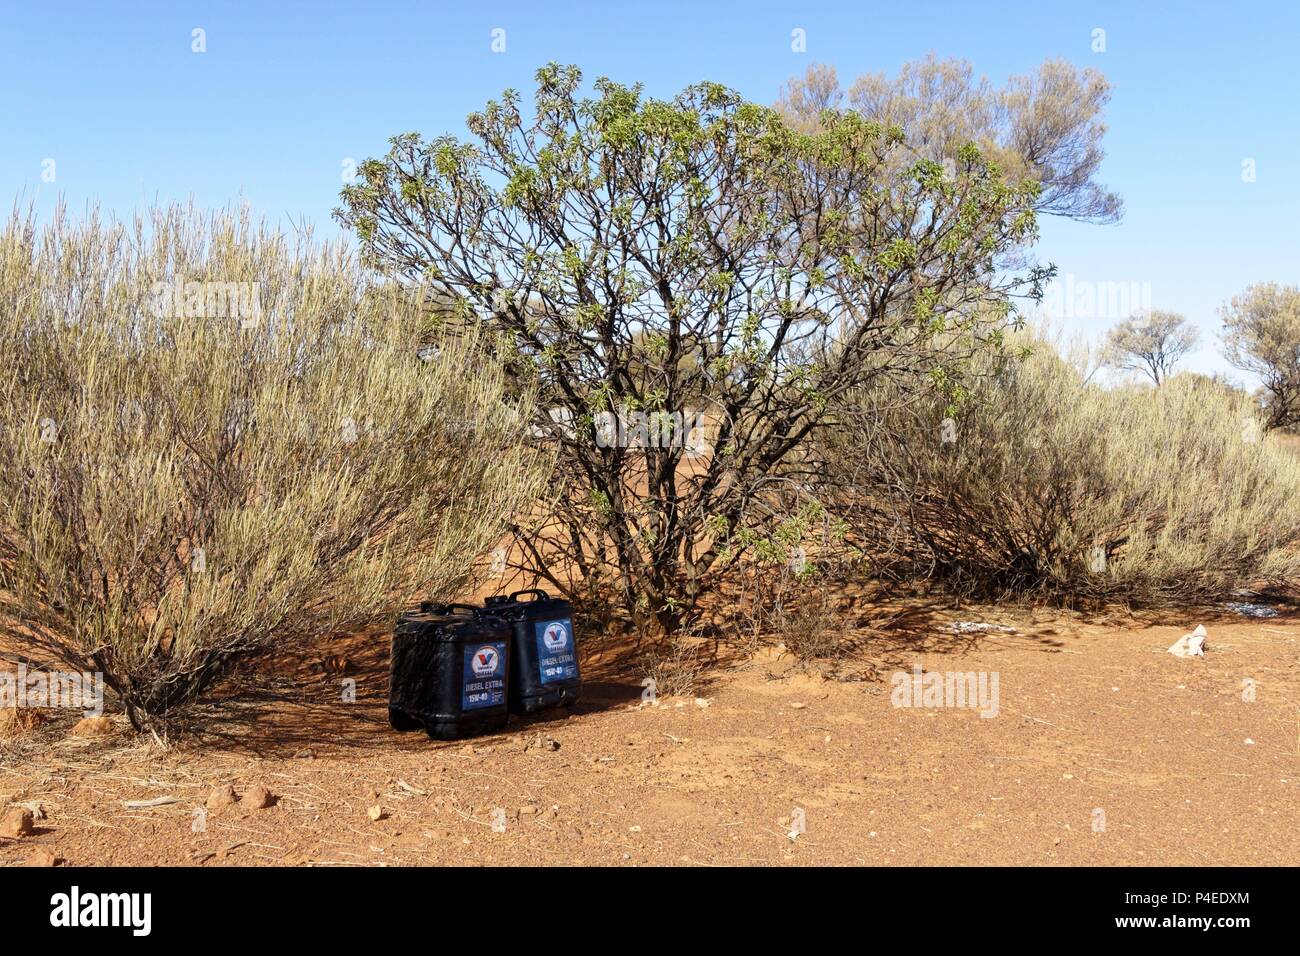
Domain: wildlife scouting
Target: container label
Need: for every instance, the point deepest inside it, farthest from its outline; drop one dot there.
(485, 676)
(557, 656)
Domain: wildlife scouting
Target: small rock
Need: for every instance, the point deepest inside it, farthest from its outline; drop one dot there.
(542, 742)
(222, 795)
(376, 813)
(257, 797)
(94, 727)
(797, 705)
(43, 857)
(16, 823)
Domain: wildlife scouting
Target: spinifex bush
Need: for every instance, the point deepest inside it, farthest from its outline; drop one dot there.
(1044, 481)
(216, 440)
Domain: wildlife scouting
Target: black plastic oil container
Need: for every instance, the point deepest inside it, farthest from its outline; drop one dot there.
(543, 653)
(450, 671)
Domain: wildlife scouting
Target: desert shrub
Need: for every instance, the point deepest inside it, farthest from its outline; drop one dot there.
(673, 667)
(812, 628)
(652, 262)
(783, 592)
(1036, 478)
(260, 454)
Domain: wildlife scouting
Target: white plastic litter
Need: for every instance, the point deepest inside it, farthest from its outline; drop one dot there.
(1190, 645)
(977, 627)
(1250, 609)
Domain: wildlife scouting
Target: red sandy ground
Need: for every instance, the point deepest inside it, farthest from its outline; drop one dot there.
(1094, 715)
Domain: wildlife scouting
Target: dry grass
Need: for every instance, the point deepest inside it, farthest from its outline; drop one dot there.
(812, 629)
(265, 458)
(676, 666)
(1058, 485)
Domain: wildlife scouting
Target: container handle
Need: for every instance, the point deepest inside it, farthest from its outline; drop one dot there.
(435, 607)
(541, 595)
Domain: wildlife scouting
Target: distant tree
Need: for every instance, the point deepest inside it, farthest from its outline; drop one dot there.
(643, 255)
(1045, 126)
(803, 99)
(1261, 335)
(1151, 343)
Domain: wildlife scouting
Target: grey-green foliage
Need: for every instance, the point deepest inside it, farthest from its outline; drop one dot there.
(187, 480)
(1054, 484)
(696, 252)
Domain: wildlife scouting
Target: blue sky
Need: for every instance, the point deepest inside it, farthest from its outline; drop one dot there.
(287, 92)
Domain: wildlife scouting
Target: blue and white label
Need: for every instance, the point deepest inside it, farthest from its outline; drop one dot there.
(485, 676)
(557, 654)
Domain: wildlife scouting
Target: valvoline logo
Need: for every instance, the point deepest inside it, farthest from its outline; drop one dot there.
(486, 661)
(556, 636)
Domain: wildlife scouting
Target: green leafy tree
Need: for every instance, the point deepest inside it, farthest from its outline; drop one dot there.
(636, 255)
